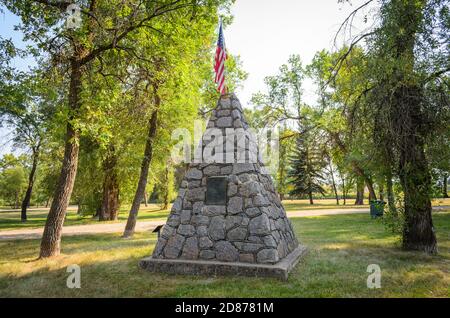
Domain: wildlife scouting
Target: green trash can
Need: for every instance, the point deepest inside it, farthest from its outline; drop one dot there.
(376, 208)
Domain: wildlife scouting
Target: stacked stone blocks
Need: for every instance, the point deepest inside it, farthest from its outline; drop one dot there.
(251, 227)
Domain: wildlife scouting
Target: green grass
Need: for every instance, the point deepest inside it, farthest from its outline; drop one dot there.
(340, 249)
(10, 219)
(292, 205)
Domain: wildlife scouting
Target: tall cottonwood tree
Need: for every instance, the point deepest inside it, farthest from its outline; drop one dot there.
(406, 67)
(283, 99)
(401, 87)
(348, 134)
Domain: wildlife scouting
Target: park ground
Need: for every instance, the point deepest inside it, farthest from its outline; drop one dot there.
(340, 247)
(37, 216)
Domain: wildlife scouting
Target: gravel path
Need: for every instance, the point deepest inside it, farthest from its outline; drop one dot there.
(78, 230)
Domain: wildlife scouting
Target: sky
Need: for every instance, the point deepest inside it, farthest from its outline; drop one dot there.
(7, 22)
(264, 33)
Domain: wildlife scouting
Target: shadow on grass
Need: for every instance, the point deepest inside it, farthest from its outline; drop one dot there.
(6, 224)
(10, 220)
(341, 248)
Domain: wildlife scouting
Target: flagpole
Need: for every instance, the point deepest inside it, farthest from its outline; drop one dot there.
(225, 48)
(220, 57)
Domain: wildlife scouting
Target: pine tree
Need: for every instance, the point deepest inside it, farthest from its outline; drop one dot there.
(306, 168)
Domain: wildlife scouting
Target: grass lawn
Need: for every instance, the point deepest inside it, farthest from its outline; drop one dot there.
(292, 205)
(10, 220)
(340, 249)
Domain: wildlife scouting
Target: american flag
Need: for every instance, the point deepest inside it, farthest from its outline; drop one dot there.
(219, 66)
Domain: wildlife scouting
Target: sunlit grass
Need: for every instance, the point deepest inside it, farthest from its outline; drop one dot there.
(36, 217)
(340, 249)
(293, 205)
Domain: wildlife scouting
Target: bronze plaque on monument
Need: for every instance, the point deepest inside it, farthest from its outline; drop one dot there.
(216, 190)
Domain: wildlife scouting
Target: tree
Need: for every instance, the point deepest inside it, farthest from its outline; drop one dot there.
(148, 153)
(286, 144)
(444, 186)
(359, 200)
(167, 186)
(12, 179)
(331, 172)
(408, 93)
(406, 72)
(438, 153)
(283, 99)
(104, 27)
(306, 170)
(110, 197)
(281, 104)
(349, 135)
(27, 104)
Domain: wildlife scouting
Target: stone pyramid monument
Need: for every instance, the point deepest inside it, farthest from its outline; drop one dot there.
(227, 218)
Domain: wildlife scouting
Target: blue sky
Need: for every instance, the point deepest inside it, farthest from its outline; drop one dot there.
(7, 22)
(264, 33)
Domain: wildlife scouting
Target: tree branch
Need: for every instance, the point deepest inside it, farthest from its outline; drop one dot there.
(113, 44)
(337, 66)
(349, 18)
(62, 5)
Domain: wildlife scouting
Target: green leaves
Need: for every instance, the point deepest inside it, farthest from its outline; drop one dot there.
(13, 179)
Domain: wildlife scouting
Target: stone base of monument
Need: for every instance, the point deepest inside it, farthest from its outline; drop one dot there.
(278, 270)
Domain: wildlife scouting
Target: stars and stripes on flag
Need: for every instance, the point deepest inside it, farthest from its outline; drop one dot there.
(219, 66)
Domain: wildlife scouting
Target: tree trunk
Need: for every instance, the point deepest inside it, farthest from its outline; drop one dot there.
(444, 186)
(418, 231)
(344, 191)
(390, 194)
(145, 199)
(51, 239)
(381, 192)
(359, 193)
(369, 184)
(27, 198)
(110, 202)
(333, 182)
(410, 122)
(16, 200)
(310, 198)
(356, 167)
(148, 153)
(109, 210)
(167, 190)
(281, 168)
